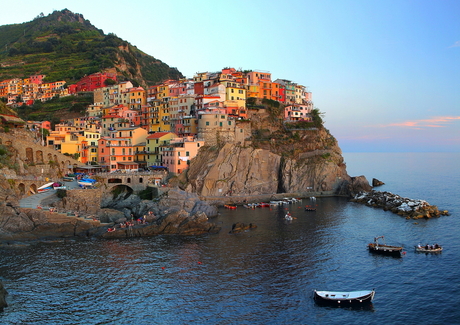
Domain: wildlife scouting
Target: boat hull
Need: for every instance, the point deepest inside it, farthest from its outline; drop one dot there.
(338, 298)
(385, 249)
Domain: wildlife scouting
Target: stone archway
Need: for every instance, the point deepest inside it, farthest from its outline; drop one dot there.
(30, 156)
(39, 156)
(114, 180)
(22, 188)
(121, 192)
(33, 189)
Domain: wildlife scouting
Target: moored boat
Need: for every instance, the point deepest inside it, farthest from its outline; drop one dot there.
(428, 249)
(231, 207)
(263, 205)
(344, 298)
(384, 249)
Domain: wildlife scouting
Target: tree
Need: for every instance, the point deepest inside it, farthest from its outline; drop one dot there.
(109, 82)
(317, 117)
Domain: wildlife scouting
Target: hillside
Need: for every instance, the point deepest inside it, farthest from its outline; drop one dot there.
(65, 46)
(6, 110)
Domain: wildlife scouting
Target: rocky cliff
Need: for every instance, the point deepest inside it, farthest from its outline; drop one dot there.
(309, 163)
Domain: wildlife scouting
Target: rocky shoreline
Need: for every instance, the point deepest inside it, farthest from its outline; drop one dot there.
(408, 208)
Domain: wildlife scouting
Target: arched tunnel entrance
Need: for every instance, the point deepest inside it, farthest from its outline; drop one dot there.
(121, 192)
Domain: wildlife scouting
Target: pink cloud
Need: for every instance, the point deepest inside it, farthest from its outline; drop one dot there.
(434, 122)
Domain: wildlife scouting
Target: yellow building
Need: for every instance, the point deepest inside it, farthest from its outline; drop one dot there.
(134, 98)
(235, 98)
(73, 144)
(163, 115)
(154, 142)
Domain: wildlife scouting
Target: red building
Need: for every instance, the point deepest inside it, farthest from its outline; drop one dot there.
(91, 82)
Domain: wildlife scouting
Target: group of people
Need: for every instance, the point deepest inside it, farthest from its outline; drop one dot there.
(427, 246)
(131, 223)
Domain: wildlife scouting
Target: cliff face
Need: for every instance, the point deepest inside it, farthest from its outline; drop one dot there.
(243, 171)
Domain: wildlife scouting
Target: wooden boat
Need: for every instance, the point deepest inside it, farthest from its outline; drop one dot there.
(384, 249)
(431, 249)
(264, 205)
(344, 298)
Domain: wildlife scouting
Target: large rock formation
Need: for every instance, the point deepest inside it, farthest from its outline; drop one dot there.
(235, 170)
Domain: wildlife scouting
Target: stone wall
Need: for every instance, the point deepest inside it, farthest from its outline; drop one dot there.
(85, 202)
(34, 159)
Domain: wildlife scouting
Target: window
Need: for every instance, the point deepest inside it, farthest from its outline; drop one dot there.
(187, 153)
(207, 123)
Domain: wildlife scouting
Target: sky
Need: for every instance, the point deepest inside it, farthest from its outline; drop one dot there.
(386, 74)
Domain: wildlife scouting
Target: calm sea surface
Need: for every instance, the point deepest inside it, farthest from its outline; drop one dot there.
(263, 276)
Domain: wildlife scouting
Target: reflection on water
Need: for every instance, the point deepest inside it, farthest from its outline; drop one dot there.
(263, 276)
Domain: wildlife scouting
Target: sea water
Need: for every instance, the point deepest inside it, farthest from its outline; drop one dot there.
(263, 276)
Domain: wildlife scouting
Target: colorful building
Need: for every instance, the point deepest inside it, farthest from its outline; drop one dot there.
(177, 154)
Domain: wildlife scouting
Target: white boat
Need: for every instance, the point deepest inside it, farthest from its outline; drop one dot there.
(288, 216)
(344, 298)
(46, 187)
(85, 184)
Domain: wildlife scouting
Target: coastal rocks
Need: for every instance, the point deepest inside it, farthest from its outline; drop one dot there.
(3, 294)
(177, 199)
(376, 182)
(411, 209)
(241, 227)
(355, 185)
(179, 222)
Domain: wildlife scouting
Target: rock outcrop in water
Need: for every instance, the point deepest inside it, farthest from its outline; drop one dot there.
(3, 294)
(376, 182)
(411, 209)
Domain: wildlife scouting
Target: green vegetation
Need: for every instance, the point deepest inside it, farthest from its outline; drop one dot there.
(55, 109)
(61, 193)
(65, 46)
(6, 158)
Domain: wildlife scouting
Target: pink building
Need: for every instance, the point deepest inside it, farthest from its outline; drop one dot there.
(177, 155)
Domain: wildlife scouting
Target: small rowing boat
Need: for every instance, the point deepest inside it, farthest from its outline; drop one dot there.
(428, 249)
(344, 298)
